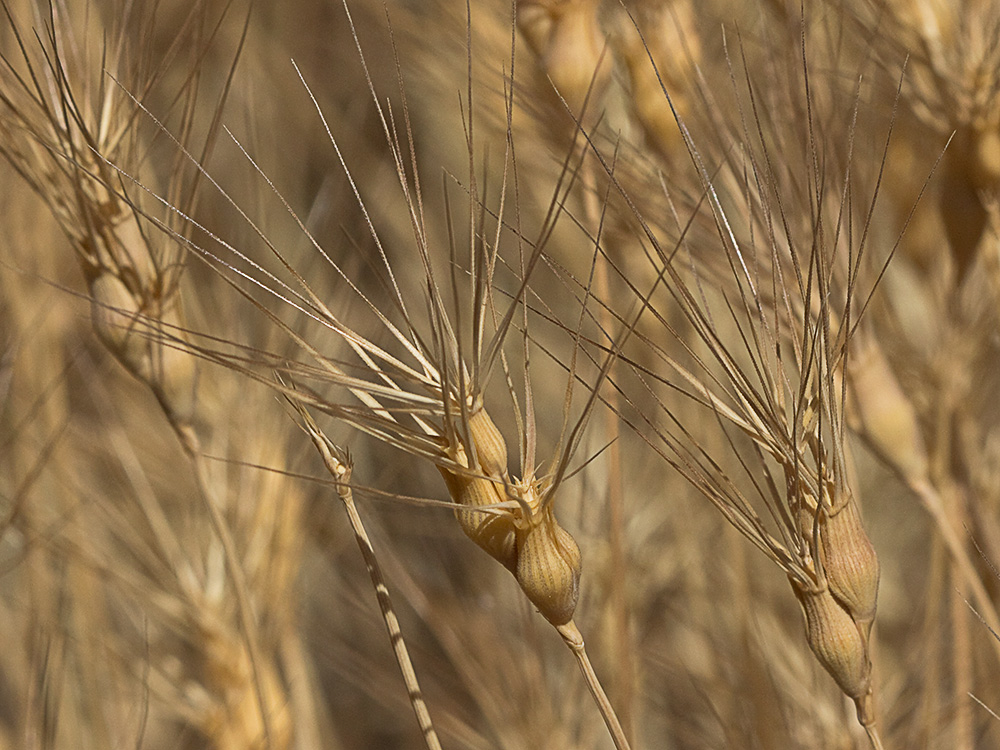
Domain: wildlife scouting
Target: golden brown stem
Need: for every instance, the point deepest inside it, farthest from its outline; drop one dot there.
(964, 568)
(874, 738)
(340, 470)
(625, 672)
(574, 639)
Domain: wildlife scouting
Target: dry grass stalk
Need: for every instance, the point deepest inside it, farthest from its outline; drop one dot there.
(952, 95)
(338, 463)
(749, 371)
(433, 408)
(70, 128)
(60, 121)
(789, 405)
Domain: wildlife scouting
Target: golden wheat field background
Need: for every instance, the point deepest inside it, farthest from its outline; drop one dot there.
(536, 374)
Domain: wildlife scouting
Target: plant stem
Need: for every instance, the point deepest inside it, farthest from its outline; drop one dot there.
(874, 738)
(625, 674)
(338, 464)
(574, 639)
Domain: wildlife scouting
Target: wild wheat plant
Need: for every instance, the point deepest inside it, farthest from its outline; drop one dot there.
(543, 276)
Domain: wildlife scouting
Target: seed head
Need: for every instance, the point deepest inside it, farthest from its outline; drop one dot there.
(838, 643)
(850, 563)
(493, 532)
(668, 39)
(482, 487)
(114, 311)
(491, 449)
(548, 567)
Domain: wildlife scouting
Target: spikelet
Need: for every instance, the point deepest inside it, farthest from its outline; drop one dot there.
(984, 171)
(492, 532)
(115, 313)
(548, 567)
(839, 645)
(850, 562)
(127, 330)
(491, 448)
(669, 39)
(231, 714)
(528, 541)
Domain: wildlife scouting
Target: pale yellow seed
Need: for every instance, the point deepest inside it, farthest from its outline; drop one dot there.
(548, 568)
(850, 563)
(491, 449)
(494, 533)
(836, 641)
(566, 36)
(170, 371)
(670, 39)
(174, 375)
(986, 167)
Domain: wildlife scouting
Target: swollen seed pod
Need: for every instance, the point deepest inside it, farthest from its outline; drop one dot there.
(838, 645)
(850, 563)
(128, 334)
(492, 532)
(962, 210)
(174, 376)
(985, 169)
(491, 449)
(548, 568)
(230, 712)
(115, 242)
(670, 39)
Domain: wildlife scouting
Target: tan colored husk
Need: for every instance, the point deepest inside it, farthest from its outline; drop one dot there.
(839, 645)
(985, 167)
(491, 448)
(494, 533)
(544, 557)
(962, 211)
(850, 562)
(115, 313)
(886, 416)
(125, 329)
(112, 240)
(566, 36)
(548, 567)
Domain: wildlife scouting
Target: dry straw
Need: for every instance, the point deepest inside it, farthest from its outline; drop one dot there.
(702, 239)
(65, 123)
(429, 399)
(770, 367)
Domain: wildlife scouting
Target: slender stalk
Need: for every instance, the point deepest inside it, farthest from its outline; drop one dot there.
(874, 738)
(928, 708)
(338, 463)
(951, 392)
(625, 673)
(961, 660)
(574, 639)
(965, 570)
